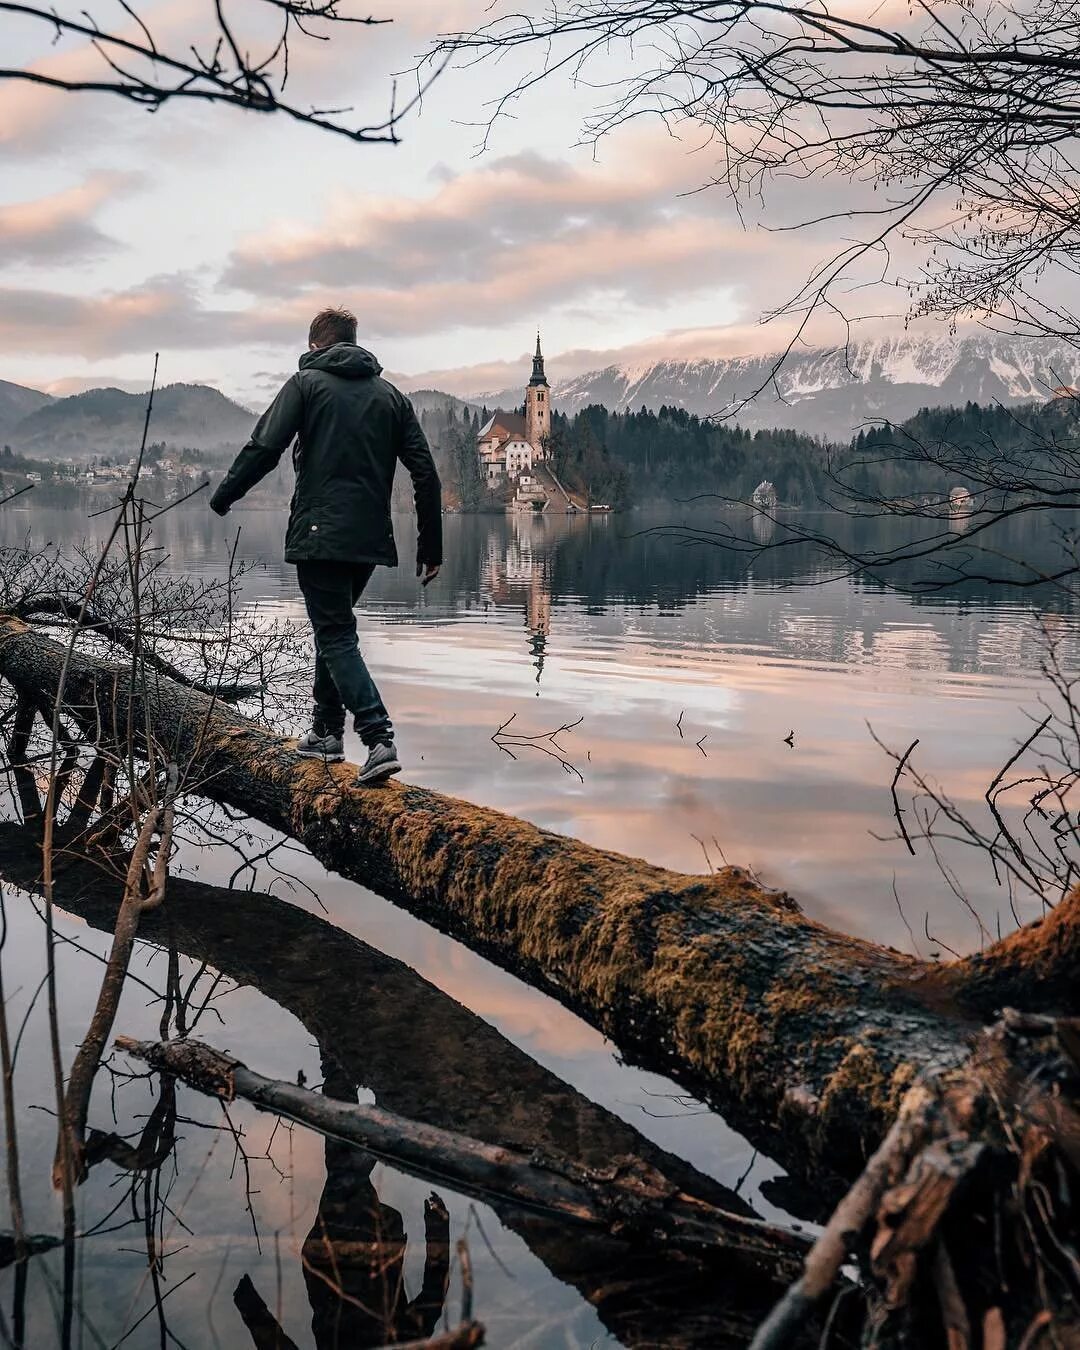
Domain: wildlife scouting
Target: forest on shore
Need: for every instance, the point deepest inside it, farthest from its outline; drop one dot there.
(626, 459)
(671, 455)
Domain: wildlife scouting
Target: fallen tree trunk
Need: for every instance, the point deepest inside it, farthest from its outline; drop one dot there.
(426, 1057)
(805, 1038)
(629, 1200)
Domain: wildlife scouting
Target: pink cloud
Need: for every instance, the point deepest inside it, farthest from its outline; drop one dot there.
(60, 226)
(522, 233)
(162, 312)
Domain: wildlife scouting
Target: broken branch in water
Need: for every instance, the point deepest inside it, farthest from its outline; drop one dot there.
(631, 1199)
(508, 742)
(53, 606)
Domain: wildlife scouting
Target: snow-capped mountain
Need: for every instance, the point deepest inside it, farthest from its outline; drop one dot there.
(830, 392)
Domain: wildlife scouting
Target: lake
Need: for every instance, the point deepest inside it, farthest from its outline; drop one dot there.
(711, 708)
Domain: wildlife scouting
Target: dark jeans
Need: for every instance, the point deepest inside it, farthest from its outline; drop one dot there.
(330, 590)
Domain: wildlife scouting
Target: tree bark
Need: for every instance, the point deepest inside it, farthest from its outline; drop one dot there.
(966, 1216)
(805, 1038)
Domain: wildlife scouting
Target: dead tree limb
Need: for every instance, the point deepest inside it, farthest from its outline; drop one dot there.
(807, 1039)
(144, 889)
(629, 1198)
(15, 1247)
(39, 607)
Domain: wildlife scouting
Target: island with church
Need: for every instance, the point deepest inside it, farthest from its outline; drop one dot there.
(513, 452)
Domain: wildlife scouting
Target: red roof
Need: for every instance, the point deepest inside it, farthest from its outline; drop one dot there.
(503, 427)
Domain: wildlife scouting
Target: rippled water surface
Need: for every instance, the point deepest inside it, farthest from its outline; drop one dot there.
(678, 674)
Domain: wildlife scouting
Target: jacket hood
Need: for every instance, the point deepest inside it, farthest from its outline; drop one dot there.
(343, 358)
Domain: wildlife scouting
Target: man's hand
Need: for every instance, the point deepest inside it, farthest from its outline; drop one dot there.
(428, 571)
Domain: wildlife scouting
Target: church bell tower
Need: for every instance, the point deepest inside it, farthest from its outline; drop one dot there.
(538, 405)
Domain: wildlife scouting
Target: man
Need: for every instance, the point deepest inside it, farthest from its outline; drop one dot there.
(351, 427)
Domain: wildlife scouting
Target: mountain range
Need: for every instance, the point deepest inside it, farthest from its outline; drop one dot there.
(820, 391)
(829, 392)
(110, 421)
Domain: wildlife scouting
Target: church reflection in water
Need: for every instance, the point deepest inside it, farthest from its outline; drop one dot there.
(518, 570)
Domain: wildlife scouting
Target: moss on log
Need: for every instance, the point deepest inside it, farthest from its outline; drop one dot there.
(804, 1037)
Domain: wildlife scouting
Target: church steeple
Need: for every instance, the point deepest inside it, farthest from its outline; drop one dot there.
(538, 376)
(538, 406)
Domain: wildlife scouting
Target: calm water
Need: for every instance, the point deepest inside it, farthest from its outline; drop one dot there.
(682, 674)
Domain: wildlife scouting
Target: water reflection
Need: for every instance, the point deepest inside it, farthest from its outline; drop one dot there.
(354, 1257)
(517, 570)
(688, 668)
(607, 621)
(382, 1029)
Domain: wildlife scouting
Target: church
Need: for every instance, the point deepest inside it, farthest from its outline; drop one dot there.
(509, 444)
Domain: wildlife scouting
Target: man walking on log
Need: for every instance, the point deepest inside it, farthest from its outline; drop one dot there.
(350, 427)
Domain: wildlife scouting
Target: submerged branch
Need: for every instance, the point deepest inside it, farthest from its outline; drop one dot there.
(629, 1199)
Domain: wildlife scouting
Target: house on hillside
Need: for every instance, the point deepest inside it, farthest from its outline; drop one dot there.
(510, 444)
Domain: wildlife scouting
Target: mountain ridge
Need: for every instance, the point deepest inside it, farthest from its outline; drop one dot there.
(18, 401)
(110, 420)
(820, 391)
(829, 392)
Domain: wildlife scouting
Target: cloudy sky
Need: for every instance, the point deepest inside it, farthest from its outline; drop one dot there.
(211, 235)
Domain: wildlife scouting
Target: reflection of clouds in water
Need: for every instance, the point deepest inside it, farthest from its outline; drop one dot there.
(744, 665)
(631, 630)
(545, 1027)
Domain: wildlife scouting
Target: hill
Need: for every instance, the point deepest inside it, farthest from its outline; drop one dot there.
(110, 421)
(17, 402)
(435, 401)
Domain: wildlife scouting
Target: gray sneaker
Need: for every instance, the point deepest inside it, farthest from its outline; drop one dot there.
(330, 749)
(382, 763)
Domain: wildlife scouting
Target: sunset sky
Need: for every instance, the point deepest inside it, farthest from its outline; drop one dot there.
(212, 235)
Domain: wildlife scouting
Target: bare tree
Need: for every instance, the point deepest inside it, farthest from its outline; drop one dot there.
(241, 63)
(957, 127)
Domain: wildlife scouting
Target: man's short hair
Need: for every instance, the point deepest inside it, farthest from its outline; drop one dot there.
(330, 326)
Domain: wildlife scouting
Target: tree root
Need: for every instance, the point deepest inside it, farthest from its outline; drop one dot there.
(964, 1220)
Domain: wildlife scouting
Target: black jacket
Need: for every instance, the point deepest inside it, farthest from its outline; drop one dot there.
(351, 428)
